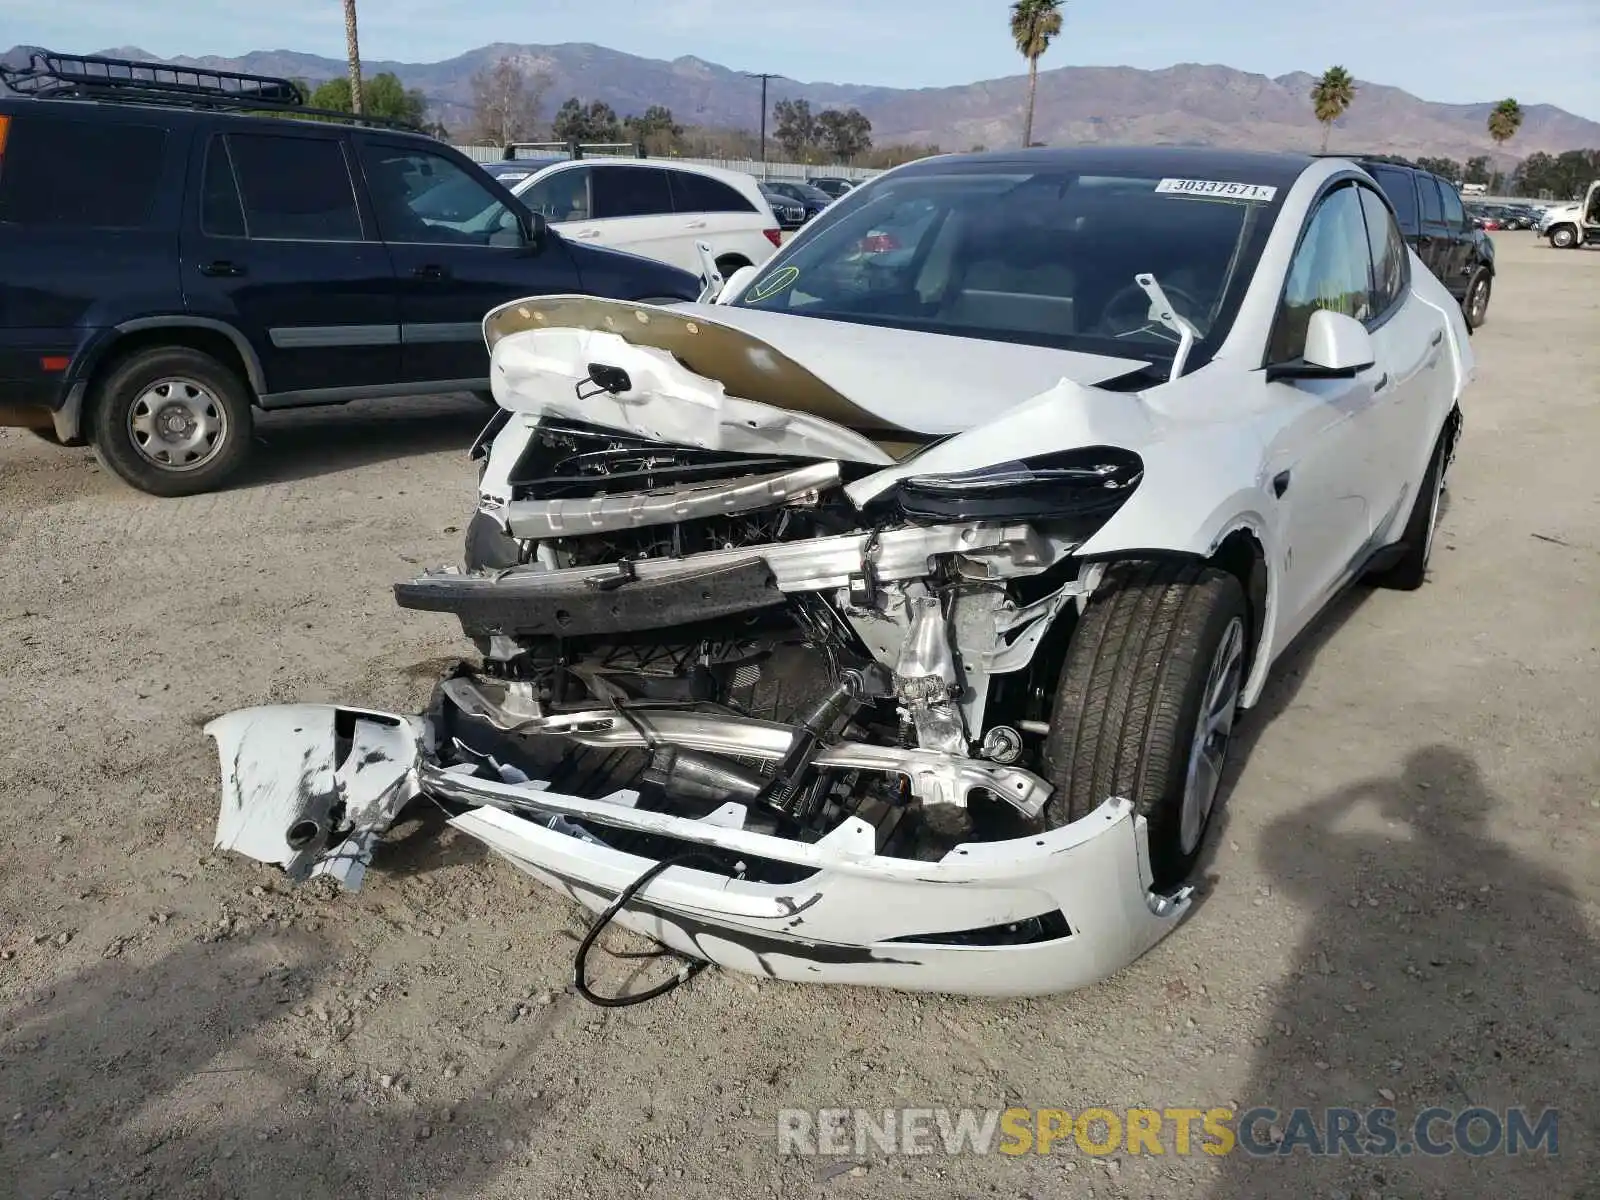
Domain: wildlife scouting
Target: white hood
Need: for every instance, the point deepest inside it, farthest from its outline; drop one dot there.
(744, 379)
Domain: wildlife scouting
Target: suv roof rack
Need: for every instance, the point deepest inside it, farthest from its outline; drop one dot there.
(52, 76)
(576, 149)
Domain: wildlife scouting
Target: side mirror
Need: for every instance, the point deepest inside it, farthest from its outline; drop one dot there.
(736, 284)
(1337, 347)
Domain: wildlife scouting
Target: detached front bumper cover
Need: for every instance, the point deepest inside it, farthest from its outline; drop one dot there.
(314, 787)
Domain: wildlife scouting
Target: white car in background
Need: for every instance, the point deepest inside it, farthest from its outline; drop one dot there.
(659, 209)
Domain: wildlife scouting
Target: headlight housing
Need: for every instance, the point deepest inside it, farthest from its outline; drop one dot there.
(1087, 481)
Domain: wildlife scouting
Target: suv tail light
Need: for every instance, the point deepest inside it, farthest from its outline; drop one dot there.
(775, 236)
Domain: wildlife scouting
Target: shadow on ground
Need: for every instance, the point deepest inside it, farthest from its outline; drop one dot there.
(110, 1082)
(306, 443)
(1442, 970)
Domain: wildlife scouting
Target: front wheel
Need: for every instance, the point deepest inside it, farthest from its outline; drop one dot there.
(1563, 237)
(1146, 702)
(172, 421)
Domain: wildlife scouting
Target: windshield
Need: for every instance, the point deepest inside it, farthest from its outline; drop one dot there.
(1045, 258)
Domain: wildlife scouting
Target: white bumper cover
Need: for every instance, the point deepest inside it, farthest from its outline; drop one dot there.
(313, 787)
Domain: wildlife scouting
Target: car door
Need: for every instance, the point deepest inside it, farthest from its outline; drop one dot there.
(460, 246)
(708, 208)
(633, 211)
(1436, 243)
(1408, 338)
(1324, 459)
(276, 245)
(1458, 260)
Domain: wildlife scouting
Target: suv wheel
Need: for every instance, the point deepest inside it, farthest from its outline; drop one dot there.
(172, 421)
(1476, 305)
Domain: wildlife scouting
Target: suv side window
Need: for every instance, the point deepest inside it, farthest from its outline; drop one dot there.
(1390, 265)
(1402, 192)
(1454, 215)
(89, 175)
(630, 192)
(1332, 269)
(561, 195)
(1432, 210)
(295, 188)
(696, 193)
(423, 198)
(221, 213)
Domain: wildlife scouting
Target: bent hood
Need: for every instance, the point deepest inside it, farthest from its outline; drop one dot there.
(744, 379)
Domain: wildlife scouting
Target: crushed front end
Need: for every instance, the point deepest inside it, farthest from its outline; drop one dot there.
(838, 695)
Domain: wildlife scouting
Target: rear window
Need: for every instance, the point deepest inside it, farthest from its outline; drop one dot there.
(295, 188)
(695, 193)
(80, 174)
(1397, 185)
(1432, 212)
(1454, 214)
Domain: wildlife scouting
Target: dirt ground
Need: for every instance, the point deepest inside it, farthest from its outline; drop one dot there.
(1402, 902)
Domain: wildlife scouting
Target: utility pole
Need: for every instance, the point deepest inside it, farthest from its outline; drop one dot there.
(763, 78)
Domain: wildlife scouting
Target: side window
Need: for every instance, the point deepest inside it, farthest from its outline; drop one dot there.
(630, 192)
(1454, 215)
(221, 214)
(560, 195)
(295, 188)
(696, 193)
(1432, 209)
(1331, 270)
(1402, 193)
(1390, 266)
(426, 198)
(79, 174)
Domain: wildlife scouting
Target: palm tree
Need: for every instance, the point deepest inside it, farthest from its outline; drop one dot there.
(1331, 97)
(1033, 24)
(1504, 121)
(353, 52)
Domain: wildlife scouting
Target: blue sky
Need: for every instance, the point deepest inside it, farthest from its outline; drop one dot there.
(1453, 50)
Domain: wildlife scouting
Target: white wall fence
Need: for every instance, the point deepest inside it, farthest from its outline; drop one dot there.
(770, 170)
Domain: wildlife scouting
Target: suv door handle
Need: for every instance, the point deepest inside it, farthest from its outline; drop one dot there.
(221, 268)
(430, 271)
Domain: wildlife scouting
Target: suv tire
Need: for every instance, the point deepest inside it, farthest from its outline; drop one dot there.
(172, 421)
(1475, 304)
(1146, 702)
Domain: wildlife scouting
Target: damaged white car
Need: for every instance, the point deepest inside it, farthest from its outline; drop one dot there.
(889, 616)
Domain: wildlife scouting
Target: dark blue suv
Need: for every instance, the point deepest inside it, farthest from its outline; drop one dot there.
(175, 253)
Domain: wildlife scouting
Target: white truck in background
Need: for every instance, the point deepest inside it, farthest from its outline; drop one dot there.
(1568, 226)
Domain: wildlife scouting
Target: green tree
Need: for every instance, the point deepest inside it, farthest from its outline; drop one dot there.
(1505, 119)
(795, 128)
(594, 122)
(1447, 167)
(384, 96)
(1477, 170)
(656, 129)
(1034, 24)
(846, 134)
(1331, 97)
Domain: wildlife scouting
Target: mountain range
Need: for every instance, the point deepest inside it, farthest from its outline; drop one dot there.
(1187, 104)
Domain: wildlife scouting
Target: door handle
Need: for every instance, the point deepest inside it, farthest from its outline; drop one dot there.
(222, 269)
(430, 271)
(587, 234)
(1280, 484)
(696, 225)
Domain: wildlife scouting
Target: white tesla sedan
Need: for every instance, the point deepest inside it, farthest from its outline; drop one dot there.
(886, 621)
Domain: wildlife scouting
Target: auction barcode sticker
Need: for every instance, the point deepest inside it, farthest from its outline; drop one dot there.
(1217, 187)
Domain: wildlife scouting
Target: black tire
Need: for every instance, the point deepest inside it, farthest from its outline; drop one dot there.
(488, 547)
(1475, 303)
(1563, 237)
(1411, 572)
(195, 382)
(1129, 701)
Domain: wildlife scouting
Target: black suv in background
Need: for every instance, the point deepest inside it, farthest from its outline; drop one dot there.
(1437, 226)
(173, 255)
